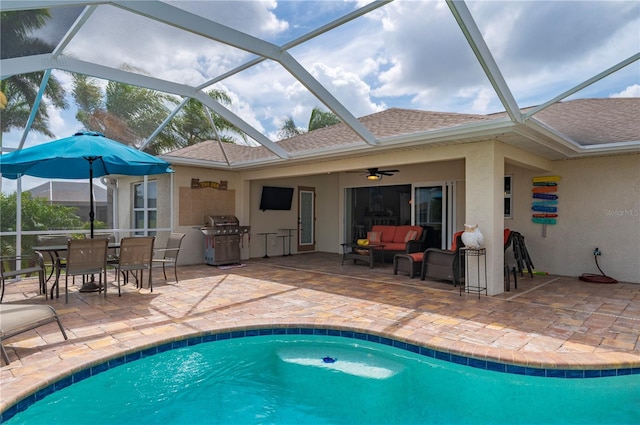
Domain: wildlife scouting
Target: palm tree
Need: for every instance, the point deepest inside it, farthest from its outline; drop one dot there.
(318, 119)
(289, 129)
(130, 114)
(122, 112)
(191, 125)
(20, 91)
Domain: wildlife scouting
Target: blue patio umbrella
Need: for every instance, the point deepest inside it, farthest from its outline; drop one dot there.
(83, 155)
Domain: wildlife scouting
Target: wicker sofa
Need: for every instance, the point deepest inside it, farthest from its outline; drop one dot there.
(397, 239)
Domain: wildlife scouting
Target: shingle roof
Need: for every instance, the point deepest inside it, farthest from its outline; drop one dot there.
(594, 121)
(210, 151)
(585, 121)
(392, 122)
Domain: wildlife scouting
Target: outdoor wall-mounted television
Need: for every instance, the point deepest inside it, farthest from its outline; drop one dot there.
(276, 198)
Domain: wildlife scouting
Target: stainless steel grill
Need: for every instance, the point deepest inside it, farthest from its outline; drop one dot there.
(222, 235)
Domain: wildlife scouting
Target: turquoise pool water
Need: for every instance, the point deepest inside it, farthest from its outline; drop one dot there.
(307, 379)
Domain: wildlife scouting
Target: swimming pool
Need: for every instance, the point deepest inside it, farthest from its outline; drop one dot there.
(305, 378)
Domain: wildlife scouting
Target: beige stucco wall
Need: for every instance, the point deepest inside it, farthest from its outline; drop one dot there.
(201, 202)
(424, 174)
(125, 198)
(188, 211)
(330, 188)
(599, 206)
(326, 207)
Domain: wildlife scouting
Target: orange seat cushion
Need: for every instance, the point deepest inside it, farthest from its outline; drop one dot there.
(417, 256)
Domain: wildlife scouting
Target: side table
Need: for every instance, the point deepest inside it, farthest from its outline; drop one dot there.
(479, 283)
(284, 251)
(266, 237)
(289, 234)
(349, 253)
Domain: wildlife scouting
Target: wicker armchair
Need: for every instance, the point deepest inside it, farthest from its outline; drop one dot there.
(444, 264)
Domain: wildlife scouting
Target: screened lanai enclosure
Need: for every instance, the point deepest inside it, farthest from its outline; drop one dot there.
(243, 80)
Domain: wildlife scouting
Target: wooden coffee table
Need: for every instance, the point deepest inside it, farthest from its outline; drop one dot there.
(366, 255)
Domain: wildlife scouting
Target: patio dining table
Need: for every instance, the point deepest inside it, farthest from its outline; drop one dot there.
(54, 253)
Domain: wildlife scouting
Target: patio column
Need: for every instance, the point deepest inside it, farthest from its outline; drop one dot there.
(484, 199)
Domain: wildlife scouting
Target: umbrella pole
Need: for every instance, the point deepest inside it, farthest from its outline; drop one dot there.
(91, 285)
(91, 213)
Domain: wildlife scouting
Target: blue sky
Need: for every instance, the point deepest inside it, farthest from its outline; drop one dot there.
(407, 54)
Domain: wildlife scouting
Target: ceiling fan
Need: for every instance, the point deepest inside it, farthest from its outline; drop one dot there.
(377, 174)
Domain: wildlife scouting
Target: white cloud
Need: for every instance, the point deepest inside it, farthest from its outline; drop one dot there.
(545, 48)
(347, 87)
(242, 108)
(542, 49)
(631, 91)
(253, 17)
(57, 123)
(404, 54)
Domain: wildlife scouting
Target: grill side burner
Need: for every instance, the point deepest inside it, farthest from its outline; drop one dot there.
(222, 234)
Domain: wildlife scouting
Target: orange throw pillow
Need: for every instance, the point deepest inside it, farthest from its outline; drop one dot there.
(455, 238)
(411, 235)
(374, 237)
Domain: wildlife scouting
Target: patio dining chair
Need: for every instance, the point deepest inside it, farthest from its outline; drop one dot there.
(170, 254)
(136, 255)
(84, 257)
(51, 256)
(112, 253)
(29, 265)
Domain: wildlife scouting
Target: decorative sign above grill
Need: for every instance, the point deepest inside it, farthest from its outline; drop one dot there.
(197, 184)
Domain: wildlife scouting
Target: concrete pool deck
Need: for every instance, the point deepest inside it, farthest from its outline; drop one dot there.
(548, 322)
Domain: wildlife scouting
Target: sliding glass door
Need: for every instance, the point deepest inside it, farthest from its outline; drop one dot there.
(434, 208)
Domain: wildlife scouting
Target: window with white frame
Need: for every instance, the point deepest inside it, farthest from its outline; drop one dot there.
(508, 199)
(145, 207)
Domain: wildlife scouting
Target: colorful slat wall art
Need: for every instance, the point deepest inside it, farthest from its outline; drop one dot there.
(545, 201)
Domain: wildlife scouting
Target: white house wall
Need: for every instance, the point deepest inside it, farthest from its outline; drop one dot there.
(124, 201)
(330, 209)
(326, 207)
(192, 250)
(599, 206)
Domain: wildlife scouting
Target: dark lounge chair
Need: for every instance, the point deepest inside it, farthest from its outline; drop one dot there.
(442, 263)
